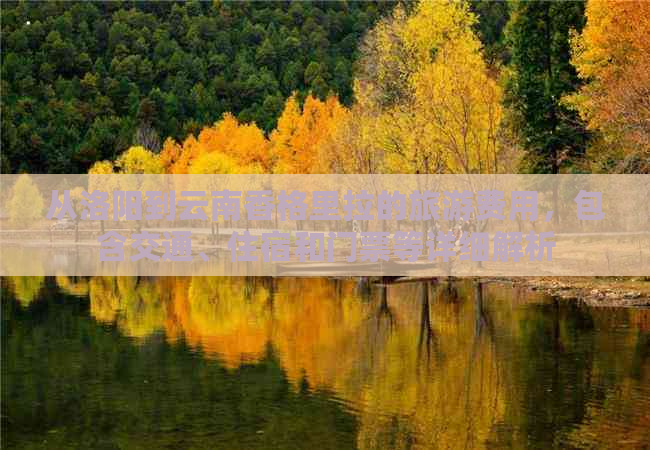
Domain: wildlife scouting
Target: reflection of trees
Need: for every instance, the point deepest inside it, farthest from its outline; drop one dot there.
(451, 292)
(26, 289)
(383, 319)
(68, 383)
(554, 351)
(225, 318)
(384, 353)
(426, 366)
(415, 401)
(135, 305)
(77, 286)
(363, 288)
(316, 332)
(482, 320)
(428, 340)
(618, 377)
(483, 337)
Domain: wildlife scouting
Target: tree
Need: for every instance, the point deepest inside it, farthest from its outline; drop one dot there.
(612, 57)
(297, 140)
(26, 202)
(145, 136)
(351, 147)
(459, 106)
(424, 83)
(541, 73)
(138, 160)
(72, 96)
(492, 18)
(215, 163)
(243, 143)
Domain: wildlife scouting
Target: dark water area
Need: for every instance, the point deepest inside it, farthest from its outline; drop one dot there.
(247, 363)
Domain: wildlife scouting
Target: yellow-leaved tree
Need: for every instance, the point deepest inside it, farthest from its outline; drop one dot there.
(26, 202)
(426, 100)
(139, 160)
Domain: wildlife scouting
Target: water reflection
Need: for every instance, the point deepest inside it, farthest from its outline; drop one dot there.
(292, 363)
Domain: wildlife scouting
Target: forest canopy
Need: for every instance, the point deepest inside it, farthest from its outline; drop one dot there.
(475, 86)
(83, 81)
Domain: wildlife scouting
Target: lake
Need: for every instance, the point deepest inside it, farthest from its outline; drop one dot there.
(286, 363)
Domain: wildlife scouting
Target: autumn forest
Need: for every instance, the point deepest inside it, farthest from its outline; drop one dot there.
(294, 360)
(326, 87)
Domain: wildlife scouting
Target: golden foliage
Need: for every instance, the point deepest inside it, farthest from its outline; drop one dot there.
(26, 288)
(612, 54)
(243, 144)
(427, 101)
(297, 140)
(434, 363)
(26, 202)
(139, 160)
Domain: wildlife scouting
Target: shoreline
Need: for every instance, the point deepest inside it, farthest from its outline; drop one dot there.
(592, 291)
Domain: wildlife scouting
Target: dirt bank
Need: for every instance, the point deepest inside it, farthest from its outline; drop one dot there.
(593, 291)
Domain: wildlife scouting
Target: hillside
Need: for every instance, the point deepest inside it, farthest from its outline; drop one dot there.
(82, 81)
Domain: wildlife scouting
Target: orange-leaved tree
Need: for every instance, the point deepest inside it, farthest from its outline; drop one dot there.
(613, 55)
(244, 144)
(297, 140)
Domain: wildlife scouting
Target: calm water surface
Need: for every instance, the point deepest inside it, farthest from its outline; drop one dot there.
(228, 363)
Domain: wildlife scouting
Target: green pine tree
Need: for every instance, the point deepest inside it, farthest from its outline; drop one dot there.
(541, 75)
